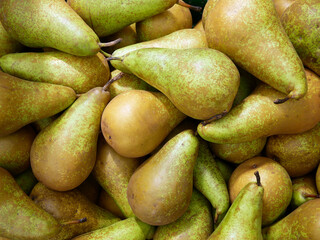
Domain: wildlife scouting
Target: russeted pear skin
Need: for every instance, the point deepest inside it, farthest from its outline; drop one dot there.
(7, 43)
(251, 34)
(23, 102)
(257, 115)
(64, 153)
(160, 190)
(301, 224)
(20, 217)
(29, 22)
(282, 5)
(200, 82)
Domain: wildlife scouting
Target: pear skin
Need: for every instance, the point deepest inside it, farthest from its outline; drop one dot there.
(282, 5)
(251, 34)
(20, 217)
(257, 116)
(69, 33)
(23, 102)
(303, 224)
(134, 123)
(15, 150)
(90, 188)
(79, 73)
(64, 153)
(225, 168)
(299, 154)
(7, 43)
(106, 201)
(160, 190)
(26, 180)
(200, 82)
(43, 123)
(318, 178)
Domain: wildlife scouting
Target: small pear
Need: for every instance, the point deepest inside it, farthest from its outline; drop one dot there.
(26, 180)
(64, 153)
(160, 190)
(7, 43)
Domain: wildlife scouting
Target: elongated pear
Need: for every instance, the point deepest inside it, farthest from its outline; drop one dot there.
(30, 22)
(243, 219)
(79, 73)
(303, 224)
(251, 34)
(257, 116)
(23, 102)
(200, 82)
(64, 153)
(20, 217)
(160, 190)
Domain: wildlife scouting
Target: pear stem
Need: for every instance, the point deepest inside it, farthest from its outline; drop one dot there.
(256, 173)
(191, 7)
(81, 220)
(115, 78)
(113, 58)
(110, 44)
(281, 100)
(216, 215)
(215, 117)
(311, 195)
(105, 53)
(78, 95)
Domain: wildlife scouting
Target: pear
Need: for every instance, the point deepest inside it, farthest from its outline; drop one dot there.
(64, 153)
(181, 39)
(175, 18)
(20, 217)
(26, 180)
(207, 8)
(113, 173)
(134, 123)
(199, 26)
(64, 206)
(79, 73)
(90, 188)
(257, 116)
(209, 180)
(318, 178)
(106, 201)
(160, 190)
(225, 168)
(200, 82)
(299, 154)
(243, 219)
(23, 102)
(275, 181)
(108, 17)
(33, 26)
(282, 5)
(303, 224)
(251, 34)
(15, 150)
(238, 152)
(7, 43)
(195, 223)
(301, 23)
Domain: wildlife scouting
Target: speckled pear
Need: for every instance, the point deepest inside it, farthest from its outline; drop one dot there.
(7, 43)
(251, 34)
(282, 5)
(200, 82)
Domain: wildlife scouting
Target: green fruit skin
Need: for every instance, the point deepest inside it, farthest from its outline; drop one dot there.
(29, 22)
(26, 181)
(20, 218)
(301, 23)
(7, 43)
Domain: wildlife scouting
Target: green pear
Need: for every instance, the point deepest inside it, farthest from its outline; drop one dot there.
(79, 73)
(135, 122)
(160, 190)
(181, 39)
(243, 219)
(301, 224)
(64, 206)
(90, 188)
(64, 153)
(175, 18)
(26, 180)
(20, 217)
(209, 180)
(195, 224)
(108, 17)
(130, 228)
(200, 82)
(7, 43)
(23, 102)
(299, 154)
(69, 33)
(251, 34)
(225, 168)
(301, 23)
(113, 172)
(257, 116)
(282, 5)
(15, 150)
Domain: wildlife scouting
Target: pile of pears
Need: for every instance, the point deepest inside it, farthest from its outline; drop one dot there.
(134, 120)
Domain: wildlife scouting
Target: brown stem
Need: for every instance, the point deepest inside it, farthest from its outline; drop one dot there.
(191, 7)
(215, 117)
(115, 78)
(109, 44)
(81, 220)
(281, 100)
(78, 95)
(256, 173)
(216, 215)
(113, 58)
(311, 195)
